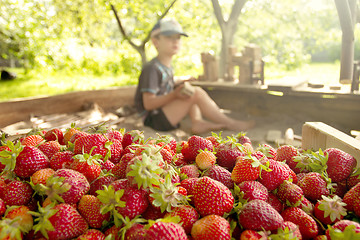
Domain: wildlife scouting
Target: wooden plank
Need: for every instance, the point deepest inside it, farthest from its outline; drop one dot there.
(108, 99)
(317, 135)
(286, 84)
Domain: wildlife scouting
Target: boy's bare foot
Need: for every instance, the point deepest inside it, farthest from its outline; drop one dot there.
(236, 125)
(203, 126)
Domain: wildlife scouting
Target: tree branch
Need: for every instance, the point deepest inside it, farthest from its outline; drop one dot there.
(122, 30)
(218, 13)
(345, 16)
(236, 9)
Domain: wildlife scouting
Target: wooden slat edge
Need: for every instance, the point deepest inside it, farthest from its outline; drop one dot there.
(317, 135)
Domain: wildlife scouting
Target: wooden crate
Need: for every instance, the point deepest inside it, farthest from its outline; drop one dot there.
(317, 135)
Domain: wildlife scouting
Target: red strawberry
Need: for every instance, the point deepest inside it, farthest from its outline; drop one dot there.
(220, 174)
(189, 171)
(50, 148)
(116, 150)
(353, 180)
(114, 231)
(189, 185)
(136, 201)
(77, 182)
(242, 138)
(114, 134)
(253, 190)
(215, 140)
(306, 206)
(66, 221)
(135, 232)
(211, 227)
(166, 231)
(329, 210)
(247, 168)
(32, 140)
(92, 143)
(179, 160)
(275, 202)
(119, 170)
(259, 155)
(339, 229)
(268, 150)
(227, 154)
(106, 166)
(2, 207)
(197, 143)
(17, 193)
(288, 231)
(290, 194)
(22, 217)
(212, 197)
(188, 216)
(340, 164)
(92, 234)
(99, 183)
(42, 175)
(76, 136)
(61, 160)
(259, 215)
(28, 160)
(205, 159)
(306, 223)
(287, 153)
(153, 213)
(250, 235)
(55, 135)
(133, 136)
(89, 207)
(272, 179)
(313, 186)
(87, 165)
(185, 151)
(167, 155)
(352, 198)
(69, 133)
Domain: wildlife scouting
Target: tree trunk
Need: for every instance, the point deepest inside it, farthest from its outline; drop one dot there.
(228, 30)
(347, 16)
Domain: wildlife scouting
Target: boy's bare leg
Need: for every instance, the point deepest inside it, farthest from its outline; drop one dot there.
(199, 125)
(177, 110)
(212, 112)
(201, 104)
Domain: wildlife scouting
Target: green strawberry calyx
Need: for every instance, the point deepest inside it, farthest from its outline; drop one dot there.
(146, 171)
(166, 195)
(42, 218)
(333, 207)
(111, 200)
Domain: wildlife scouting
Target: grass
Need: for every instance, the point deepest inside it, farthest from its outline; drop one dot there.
(46, 84)
(326, 73)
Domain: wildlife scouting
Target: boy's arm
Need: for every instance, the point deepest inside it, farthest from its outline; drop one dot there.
(151, 101)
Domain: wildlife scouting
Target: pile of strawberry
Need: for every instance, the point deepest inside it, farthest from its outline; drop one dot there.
(110, 184)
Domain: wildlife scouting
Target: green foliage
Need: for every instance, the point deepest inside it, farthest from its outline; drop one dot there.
(82, 37)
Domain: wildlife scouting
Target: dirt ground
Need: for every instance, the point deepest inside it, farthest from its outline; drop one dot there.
(270, 129)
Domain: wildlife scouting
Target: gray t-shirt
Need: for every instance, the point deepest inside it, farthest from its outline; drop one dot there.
(155, 78)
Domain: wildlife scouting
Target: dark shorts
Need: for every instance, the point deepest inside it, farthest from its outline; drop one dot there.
(158, 121)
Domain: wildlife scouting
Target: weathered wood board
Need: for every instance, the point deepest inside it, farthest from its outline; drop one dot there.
(23, 109)
(317, 135)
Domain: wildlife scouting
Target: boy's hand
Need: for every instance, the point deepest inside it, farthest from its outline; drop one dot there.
(179, 93)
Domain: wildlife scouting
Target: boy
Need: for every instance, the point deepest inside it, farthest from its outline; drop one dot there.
(164, 103)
